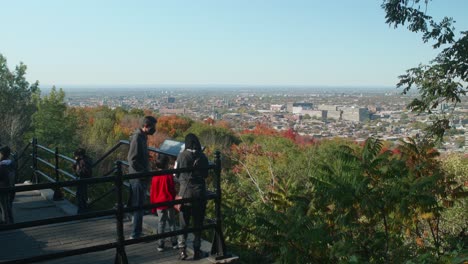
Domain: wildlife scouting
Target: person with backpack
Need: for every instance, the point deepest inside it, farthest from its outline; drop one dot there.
(163, 190)
(83, 168)
(192, 185)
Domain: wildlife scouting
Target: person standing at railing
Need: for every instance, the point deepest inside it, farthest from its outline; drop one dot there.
(192, 185)
(83, 168)
(138, 160)
(163, 190)
(7, 179)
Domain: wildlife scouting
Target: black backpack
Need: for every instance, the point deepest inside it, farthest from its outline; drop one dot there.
(200, 161)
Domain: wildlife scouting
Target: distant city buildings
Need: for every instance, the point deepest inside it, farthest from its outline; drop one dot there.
(356, 114)
(168, 111)
(170, 100)
(319, 114)
(276, 107)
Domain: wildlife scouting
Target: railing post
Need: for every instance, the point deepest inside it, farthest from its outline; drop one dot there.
(58, 195)
(34, 177)
(218, 247)
(121, 256)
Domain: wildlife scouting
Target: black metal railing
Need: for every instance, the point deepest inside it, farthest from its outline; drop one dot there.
(125, 184)
(218, 250)
(39, 160)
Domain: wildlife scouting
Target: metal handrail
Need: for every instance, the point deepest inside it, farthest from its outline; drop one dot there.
(45, 148)
(110, 151)
(102, 196)
(19, 156)
(218, 250)
(68, 159)
(24, 164)
(50, 165)
(66, 173)
(73, 193)
(46, 163)
(57, 192)
(126, 142)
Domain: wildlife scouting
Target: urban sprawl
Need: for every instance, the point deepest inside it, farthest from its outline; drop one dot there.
(321, 113)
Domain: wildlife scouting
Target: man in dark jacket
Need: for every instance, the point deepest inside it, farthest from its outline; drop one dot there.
(138, 160)
(192, 185)
(83, 169)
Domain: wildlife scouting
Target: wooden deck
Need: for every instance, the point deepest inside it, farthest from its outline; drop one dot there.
(28, 242)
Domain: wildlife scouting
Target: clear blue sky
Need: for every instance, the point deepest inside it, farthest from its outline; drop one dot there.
(255, 42)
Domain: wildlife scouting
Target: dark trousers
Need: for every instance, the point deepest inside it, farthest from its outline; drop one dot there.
(137, 198)
(12, 179)
(195, 211)
(5, 208)
(82, 198)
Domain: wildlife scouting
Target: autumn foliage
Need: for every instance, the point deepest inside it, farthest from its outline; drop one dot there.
(173, 125)
(334, 202)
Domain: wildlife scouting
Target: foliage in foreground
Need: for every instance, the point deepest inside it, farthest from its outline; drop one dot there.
(338, 202)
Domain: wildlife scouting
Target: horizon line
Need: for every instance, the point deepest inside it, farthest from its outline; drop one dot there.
(74, 86)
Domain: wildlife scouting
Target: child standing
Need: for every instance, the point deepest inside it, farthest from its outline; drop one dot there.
(163, 190)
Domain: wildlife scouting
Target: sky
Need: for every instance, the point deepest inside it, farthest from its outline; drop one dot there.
(213, 42)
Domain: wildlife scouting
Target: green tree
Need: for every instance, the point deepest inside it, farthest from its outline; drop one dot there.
(16, 104)
(340, 202)
(104, 129)
(268, 172)
(445, 78)
(214, 137)
(454, 225)
(429, 191)
(52, 123)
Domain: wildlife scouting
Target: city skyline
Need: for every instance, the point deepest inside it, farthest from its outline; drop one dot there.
(209, 43)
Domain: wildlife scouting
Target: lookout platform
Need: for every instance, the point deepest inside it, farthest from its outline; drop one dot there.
(33, 241)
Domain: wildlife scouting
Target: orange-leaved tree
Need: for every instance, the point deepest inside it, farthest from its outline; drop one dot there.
(173, 126)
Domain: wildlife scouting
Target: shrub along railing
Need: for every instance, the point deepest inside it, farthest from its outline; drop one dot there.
(218, 250)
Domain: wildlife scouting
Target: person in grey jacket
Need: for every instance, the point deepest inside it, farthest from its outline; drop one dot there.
(138, 160)
(192, 185)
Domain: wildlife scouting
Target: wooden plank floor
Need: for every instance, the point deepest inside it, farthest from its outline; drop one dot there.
(28, 242)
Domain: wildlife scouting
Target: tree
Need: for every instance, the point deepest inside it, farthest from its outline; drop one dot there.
(268, 172)
(214, 137)
(445, 78)
(105, 127)
(52, 124)
(454, 224)
(16, 104)
(173, 126)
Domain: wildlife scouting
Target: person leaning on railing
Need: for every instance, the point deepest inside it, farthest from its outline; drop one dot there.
(83, 168)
